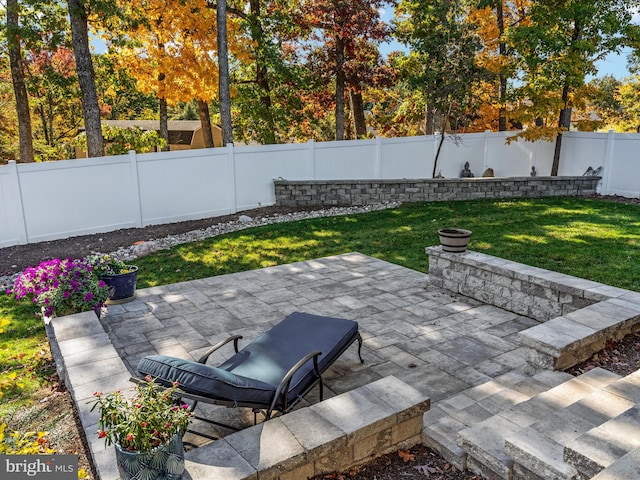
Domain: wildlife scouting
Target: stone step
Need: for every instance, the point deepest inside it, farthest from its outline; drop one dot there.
(468, 408)
(485, 441)
(602, 446)
(626, 468)
(537, 451)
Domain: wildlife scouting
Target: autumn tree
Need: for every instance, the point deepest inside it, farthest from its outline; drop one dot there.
(625, 105)
(119, 96)
(493, 18)
(53, 87)
(442, 61)
(78, 14)
(18, 80)
(171, 50)
(559, 48)
(224, 89)
(8, 113)
(341, 33)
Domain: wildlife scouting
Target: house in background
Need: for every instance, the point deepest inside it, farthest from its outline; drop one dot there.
(183, 134)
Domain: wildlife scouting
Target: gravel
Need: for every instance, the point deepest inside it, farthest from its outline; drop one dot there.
(129, 244)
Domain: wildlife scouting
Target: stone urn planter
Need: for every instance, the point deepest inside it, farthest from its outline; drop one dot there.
(454, 240)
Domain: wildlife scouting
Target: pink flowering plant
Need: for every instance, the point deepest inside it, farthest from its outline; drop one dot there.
(140, 423)
(61, 287)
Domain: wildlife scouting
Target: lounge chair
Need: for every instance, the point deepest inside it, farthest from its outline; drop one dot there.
(272, 373)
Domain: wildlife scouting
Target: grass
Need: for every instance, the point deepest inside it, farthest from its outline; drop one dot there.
(592, 239)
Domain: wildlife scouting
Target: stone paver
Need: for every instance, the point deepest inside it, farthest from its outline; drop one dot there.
(437, 342)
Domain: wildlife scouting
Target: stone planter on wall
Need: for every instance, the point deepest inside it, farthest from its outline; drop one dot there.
(454, 240)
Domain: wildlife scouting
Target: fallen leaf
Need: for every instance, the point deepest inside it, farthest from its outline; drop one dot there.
(425, 469)
(406, 456)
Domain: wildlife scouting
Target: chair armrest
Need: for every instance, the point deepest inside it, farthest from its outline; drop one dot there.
(235, 338)
(283, 387)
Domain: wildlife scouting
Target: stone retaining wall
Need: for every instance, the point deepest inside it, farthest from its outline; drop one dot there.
(322, 193)
(579, 316)
(533, 292)
(333, 435)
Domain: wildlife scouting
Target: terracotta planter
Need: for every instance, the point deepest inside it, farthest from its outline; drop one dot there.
(454, 240)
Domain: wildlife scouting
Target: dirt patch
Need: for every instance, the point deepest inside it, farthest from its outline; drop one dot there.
(53, 412)
(417, 463)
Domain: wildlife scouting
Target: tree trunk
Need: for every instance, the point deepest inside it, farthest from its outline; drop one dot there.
(428, 120)
(502, 48)
(43, 120)
(564, 122)
(164, 122)
(19, 87)
(262, 78)
(357, 110)
(443, 129)
(223, 76)
(86, 79)
(340, 81)
(205, 121)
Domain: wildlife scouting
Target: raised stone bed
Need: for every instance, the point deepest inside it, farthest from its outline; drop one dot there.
(331, 193)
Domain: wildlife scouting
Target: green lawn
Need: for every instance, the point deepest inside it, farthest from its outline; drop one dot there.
(591, 239)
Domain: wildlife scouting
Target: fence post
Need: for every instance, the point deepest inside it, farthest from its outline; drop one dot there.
(15, 200)
(311, 159)
(377, 168)
(486, 150)
(135, 186)
(436, 140)
(608, 162)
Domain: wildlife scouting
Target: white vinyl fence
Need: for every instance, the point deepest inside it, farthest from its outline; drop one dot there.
(47, 201)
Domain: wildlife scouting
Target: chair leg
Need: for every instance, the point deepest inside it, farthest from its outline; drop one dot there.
(321, 384)
(360, 348)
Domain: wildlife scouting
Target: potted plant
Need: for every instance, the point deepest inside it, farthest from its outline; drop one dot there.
(146, 430)
(454, 240)
(61, 287)
(119, 276)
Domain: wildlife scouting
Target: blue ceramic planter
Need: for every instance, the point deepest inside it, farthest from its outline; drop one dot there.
(122, 286)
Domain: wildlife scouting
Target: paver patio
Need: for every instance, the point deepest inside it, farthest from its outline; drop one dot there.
(437, 342)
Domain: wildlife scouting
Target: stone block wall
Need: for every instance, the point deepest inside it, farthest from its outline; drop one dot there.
(533, 292)
(334, 435)
(578, 316)
(326, 193)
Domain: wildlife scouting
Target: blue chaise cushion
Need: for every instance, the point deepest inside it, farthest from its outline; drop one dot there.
(205, 380)
(253, 374)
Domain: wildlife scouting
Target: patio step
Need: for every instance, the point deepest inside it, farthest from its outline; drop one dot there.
(446, 419)
(604, 445)
(525, 441)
